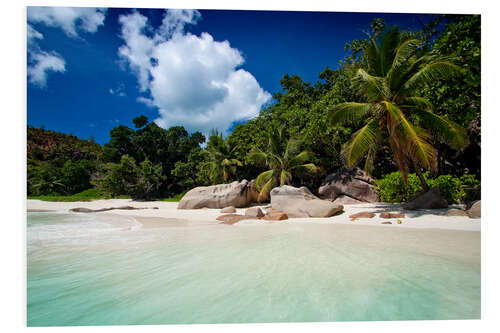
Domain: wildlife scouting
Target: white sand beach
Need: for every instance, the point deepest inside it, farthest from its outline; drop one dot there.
(167, 212)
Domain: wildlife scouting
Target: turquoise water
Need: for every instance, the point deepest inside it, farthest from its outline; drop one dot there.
(90, 270)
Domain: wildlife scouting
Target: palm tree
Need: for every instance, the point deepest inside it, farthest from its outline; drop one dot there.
(283, 158)
(397, 66)
(221, 164)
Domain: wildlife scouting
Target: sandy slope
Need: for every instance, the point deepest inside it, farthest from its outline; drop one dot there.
(168, 210)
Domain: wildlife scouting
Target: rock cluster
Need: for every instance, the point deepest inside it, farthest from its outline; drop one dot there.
(300, 202)
(349, 186)
(253, 213)
(431, 199)
(236, 194)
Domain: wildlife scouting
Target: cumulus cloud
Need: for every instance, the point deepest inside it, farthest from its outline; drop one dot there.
(43, 63)
(192, 80)
(69, 19)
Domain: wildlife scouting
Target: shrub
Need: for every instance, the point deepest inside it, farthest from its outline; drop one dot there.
(391, 187)
(127, 178)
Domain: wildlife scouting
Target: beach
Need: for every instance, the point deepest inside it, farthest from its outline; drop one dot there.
(427, 219)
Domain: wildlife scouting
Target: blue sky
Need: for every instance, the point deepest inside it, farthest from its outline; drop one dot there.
(91, 69)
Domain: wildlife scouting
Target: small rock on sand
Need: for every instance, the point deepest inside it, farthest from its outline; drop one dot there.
(387, 215)
(228, 209)
(275, 216)
(361, 215)
(254, 212)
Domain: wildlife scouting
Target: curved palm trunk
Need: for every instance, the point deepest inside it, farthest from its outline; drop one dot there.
(421, 177)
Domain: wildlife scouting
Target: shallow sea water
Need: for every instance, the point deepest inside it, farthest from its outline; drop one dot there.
(86, 269)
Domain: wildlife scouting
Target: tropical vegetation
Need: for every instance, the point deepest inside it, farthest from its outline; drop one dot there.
(395, 66)
(284, 159)
(403, 103)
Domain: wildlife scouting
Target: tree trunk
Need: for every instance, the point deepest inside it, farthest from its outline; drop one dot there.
(421, 177)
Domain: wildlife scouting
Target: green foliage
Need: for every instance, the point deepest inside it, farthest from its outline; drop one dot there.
(139, 181)
(459, 98)
(175, 198)
(395, 66)
(140, 121)
(406, 95)
(58, 163)
(86, 195)
(191, 173)
(284, 158)
(164, 147)
(149, 180)
(221, 164)
(391, 187)
(117, 178)
(76, 175)
(45, 178)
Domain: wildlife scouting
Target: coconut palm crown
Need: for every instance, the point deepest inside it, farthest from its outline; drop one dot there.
(284, 158)
(221, 164)
(396, 67)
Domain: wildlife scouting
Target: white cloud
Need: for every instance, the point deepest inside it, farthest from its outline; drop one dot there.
(32, 35)
(194, 81)
(175, 20)
(69, 19)
(146, 101)
(139, 46)
(43, 63)
(119, 91)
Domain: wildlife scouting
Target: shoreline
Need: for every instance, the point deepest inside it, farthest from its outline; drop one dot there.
(167, 212)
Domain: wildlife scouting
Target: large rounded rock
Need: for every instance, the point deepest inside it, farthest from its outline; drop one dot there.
(455, 212)
(345, 200)
(431, 199)
(236, 194)
(300, 202)
(475, 211)
(353, 183)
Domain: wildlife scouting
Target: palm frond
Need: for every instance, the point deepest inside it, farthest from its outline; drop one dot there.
(372, 87)
(435, 70)
(415, 141)
(349, 112)
(263, 178)
(266, 189)
(309, 168)
(360, 142)
(257, 156)
(301, 158)
(401, 62)
(292, 148)
(450, 132)
(388, 47)
(418, 103)
(372, 56)
(285, 177)
(370, 157)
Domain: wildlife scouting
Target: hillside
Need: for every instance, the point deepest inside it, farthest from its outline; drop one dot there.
(47, 145)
